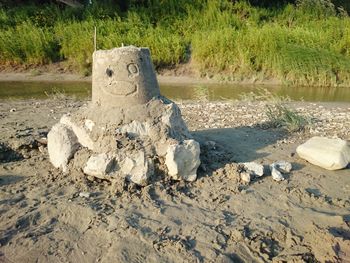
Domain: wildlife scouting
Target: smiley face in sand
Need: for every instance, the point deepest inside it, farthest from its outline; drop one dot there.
(123, 76)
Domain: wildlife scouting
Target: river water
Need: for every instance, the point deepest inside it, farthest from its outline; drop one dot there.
(81, 90)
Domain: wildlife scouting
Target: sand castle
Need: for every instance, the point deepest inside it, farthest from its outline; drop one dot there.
(128, 130)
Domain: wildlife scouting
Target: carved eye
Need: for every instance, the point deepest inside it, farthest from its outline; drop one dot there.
(133, 69)
(109, 72)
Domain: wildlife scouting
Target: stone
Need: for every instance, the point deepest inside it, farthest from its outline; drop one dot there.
(123, 76)
(135, 129)
(256, 168)
(89, 124)
(84, 194)
(182, 160)
(138, 168)
(172, 118)
(245, 177)
(80, 131)
(283, 166)
(330, 154)
(99, 165)
(62, 144)
(276, 174)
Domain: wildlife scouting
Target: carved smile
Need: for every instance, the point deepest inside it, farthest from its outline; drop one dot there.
(120, 88)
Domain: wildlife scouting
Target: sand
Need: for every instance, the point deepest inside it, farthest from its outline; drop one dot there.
(47, 216)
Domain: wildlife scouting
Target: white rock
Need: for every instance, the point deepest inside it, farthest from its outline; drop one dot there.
(61, 144)
(84, 194)
(256, 168)
(331, 154)
(138, 168)
(283, 166)
(245, 177)
(182, 160)
(135, 129)
(81, 133)
(89, 124)
(99, 165)
(276, 175)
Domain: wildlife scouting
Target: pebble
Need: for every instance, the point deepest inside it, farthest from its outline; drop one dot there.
(256, 168)
(85, 194)
(276, 175)
(245, 177)
(283, 166)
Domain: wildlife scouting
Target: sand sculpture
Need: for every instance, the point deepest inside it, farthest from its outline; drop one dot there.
(128, 130)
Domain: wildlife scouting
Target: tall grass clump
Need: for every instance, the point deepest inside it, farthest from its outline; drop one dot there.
(76, 39)
(278, 112)
(76, 42)
(295, 55)
(27, 44)
(282, 116)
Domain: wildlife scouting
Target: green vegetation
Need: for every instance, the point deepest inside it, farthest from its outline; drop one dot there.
(306, 43)
(281, 116)
(278, 112)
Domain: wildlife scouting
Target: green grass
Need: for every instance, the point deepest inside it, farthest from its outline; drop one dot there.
(307, 43)
(27, 44)
(282, 116)
(278, 112)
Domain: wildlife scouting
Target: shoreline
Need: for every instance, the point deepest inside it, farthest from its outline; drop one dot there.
(167, 78)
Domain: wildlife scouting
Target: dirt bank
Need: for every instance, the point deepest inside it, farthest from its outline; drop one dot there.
(305, 218)
(180, 76)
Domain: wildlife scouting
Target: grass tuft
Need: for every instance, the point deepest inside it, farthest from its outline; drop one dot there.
(281, 116)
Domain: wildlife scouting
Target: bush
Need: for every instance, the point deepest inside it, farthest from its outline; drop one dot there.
(28, 44)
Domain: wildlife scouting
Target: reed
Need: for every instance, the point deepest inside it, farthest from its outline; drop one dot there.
(307, 43)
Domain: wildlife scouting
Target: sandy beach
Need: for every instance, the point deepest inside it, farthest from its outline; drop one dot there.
(48, 216)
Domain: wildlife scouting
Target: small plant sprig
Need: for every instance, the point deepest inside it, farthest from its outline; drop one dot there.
(280, 116)
(277, 111)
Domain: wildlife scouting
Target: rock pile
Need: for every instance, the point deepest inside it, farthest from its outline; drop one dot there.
(251, 170)
(128, 130)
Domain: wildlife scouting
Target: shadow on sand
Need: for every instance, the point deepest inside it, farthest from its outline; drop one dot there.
(242, 144)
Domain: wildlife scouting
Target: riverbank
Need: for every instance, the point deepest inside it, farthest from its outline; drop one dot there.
(214, 219)
(164, 77)
(307, 43)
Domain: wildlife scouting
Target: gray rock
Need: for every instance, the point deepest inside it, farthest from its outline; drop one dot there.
(276, 174)
(182, 160)
(283, 166)
(173, 120)
(331, 154)
(62, 144)
(256, 168)
(99, 165)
